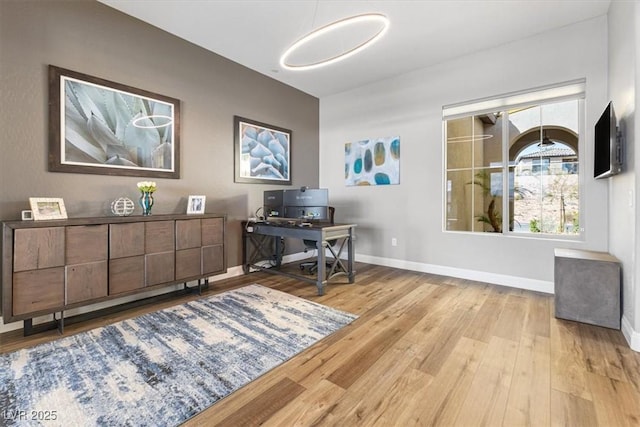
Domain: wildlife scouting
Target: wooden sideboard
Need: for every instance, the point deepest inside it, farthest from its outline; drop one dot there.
(52, 266)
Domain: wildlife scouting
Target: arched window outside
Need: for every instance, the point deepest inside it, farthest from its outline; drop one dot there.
(543, 152)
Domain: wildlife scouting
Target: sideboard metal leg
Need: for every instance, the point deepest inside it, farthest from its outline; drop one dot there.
(202, 283)
(27, 328)
(59, 322)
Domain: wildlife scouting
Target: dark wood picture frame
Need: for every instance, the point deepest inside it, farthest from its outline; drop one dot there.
(97, 126)
(262, 152)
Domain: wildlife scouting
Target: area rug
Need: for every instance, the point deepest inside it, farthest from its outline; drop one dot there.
(161, 368)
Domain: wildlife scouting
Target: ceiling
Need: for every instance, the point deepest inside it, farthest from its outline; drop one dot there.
(422, 33)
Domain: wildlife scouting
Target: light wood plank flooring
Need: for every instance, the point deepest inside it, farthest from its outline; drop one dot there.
(429, 350)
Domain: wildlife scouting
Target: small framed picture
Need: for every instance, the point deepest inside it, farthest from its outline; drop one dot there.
(196, 204)
(47, 208)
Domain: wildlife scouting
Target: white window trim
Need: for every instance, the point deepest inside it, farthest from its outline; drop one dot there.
(553, 93)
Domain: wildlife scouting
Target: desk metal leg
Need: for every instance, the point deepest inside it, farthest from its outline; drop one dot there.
(350, 257)
(322, 266)
(245, 252)
(257, 248)
(337, 267)
(279, 249)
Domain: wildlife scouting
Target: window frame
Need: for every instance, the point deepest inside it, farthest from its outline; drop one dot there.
(573, 90)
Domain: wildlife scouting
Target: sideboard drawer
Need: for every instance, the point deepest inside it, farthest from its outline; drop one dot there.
(38, 290)
(38, 248)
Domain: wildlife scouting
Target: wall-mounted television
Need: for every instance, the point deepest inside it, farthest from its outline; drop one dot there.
(608, 149)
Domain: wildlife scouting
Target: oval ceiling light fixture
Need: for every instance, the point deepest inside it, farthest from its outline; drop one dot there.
(138, 122)
(330, 28)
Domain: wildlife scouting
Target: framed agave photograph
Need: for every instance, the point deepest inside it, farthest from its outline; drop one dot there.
(101, 127)
(262, 152)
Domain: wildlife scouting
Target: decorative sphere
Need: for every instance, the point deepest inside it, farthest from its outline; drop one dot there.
(122, 206)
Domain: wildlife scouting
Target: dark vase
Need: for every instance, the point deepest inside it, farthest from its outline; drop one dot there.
(146, 202)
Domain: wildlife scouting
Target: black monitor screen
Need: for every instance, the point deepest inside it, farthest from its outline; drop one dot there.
(602, 144)
(308, 197)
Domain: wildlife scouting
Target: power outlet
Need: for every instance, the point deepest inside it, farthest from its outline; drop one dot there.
(394, 241)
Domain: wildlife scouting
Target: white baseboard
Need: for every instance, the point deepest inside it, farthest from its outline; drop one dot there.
(481, 276)
(632, 336)
(231, 272)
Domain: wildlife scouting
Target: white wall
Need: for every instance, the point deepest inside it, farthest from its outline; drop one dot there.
(623, 75)
(635, 333)
(411, 106)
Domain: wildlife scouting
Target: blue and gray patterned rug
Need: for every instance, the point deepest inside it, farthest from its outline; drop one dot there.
(164, 367)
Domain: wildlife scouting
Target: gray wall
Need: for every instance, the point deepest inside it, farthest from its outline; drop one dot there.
(91, 38)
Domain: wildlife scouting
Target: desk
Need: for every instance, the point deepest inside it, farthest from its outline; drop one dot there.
(262, 242)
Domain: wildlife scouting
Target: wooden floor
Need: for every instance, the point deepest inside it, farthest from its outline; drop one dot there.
(430, 350)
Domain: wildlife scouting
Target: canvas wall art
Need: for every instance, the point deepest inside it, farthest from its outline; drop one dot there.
(372, 162)
(102, 127)
(262, 152)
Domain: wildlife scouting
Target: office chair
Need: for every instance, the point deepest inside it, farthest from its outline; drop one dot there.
(312, 266)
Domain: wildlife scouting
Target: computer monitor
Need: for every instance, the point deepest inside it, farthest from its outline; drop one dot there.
(304, 203)
(307, 203)
(272, 203)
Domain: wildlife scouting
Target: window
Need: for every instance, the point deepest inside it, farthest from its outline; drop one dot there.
(515, 167)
